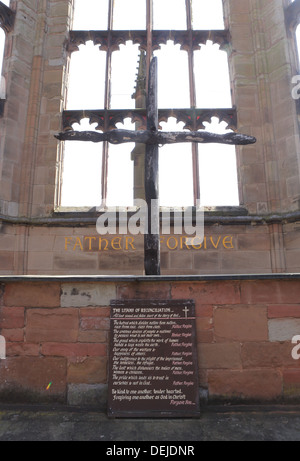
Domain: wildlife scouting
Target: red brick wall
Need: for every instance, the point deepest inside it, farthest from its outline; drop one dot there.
(57, 331)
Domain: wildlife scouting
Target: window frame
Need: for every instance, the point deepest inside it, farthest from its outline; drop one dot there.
(7, 19)
(149, 40)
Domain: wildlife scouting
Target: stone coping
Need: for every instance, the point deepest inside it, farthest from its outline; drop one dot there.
(148, 278)
(214, 215)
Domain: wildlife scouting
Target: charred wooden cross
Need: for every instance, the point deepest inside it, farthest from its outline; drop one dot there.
(153, 138)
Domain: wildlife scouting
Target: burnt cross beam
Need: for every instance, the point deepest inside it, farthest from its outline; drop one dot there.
(153, 138)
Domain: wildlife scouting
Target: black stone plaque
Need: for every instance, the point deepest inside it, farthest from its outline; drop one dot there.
(153, 359)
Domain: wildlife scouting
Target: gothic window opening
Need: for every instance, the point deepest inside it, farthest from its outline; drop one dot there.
(110, 52)
(81, 171)
(292, 17)
(2, 80)
(123, 88)
(86, 73)
(120, 168)
(214, 184)
(7, 17)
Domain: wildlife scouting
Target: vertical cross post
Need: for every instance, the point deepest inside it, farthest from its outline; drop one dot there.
(151, 238)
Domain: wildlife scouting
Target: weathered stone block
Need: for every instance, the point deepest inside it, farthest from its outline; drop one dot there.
(245, 384)
(11, 317)
(32, 294)
(270, 292)
(267, 355)
(291, 384)
(144, 290)
(283, 310)
(34, 373)
(74, 350)
(219, 355)
(91, 370)
(241, 323)
(52, 325)
(283, 329)
(81, 295)
(207, 292)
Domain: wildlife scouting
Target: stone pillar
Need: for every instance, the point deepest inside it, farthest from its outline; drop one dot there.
(261, 76)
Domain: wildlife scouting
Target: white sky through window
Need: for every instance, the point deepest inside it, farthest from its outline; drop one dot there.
(135, 20)
(207, 14)
(169, 14)
(82, 171)
(120, 171)
(90, 15)
(87, 73)
(212, 77)
(173, 77)
(218, 170)
(124, 63)
(175, 170)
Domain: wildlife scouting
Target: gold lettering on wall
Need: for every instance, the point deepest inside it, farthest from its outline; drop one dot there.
(227, 242)
(116, 243)
(105, 244)
(78, 243)
(215, 245)
(127, 243)
(90, 241)
(172, 243)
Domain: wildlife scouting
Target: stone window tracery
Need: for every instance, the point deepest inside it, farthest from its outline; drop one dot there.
(191, 48)
(7, 17)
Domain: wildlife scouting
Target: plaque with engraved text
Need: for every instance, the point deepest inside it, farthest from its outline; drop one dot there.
(153, 359)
